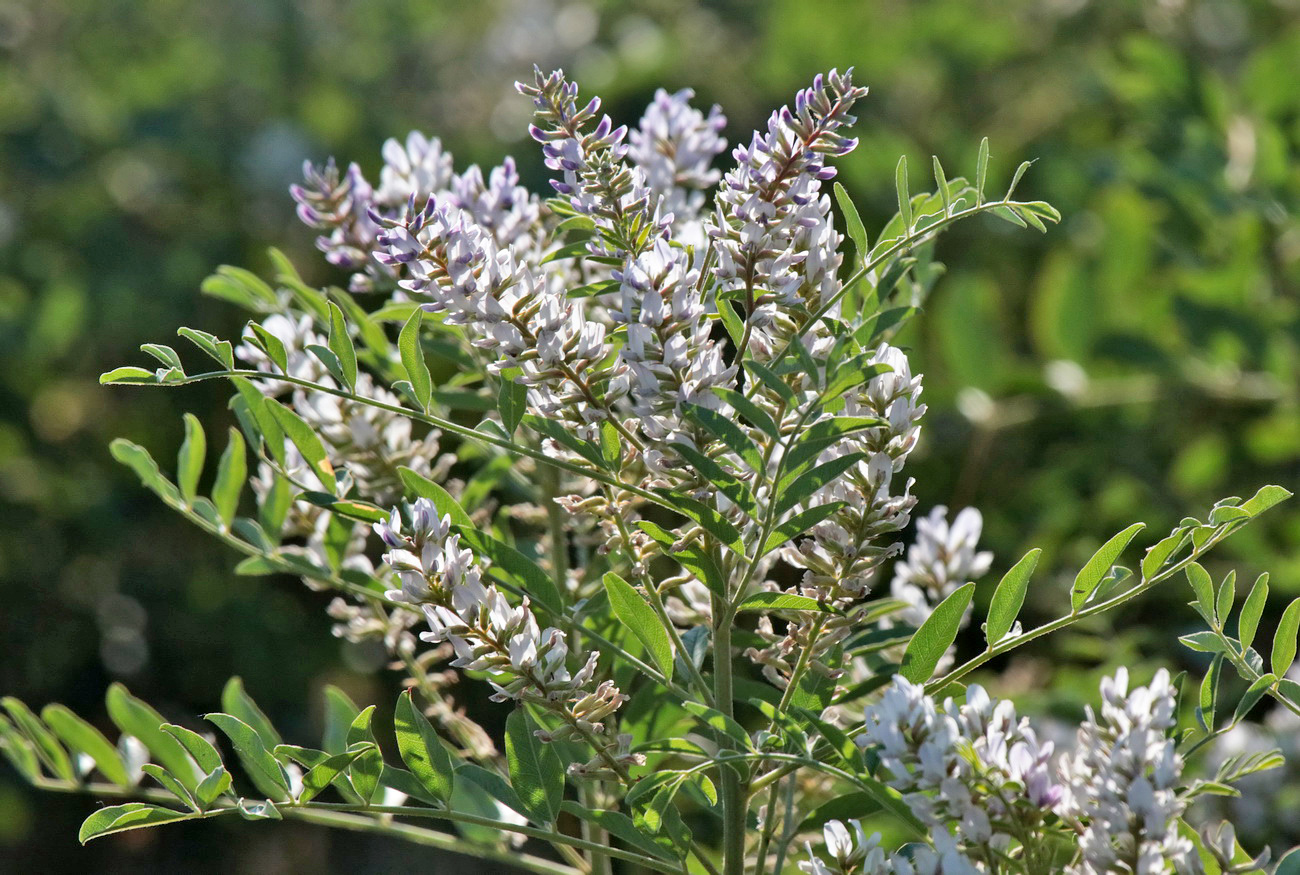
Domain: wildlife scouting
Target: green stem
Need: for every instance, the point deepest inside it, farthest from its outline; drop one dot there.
(1008, 644)
(656, 602)
(788, 828)
(734, 804)
(462, 817)
(356, 818)
(769, 827)
(910, 240)
(436, 421)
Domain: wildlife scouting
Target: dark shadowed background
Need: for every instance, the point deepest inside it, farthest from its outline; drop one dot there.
(1136, 363)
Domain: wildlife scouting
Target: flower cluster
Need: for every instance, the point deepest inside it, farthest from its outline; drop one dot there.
(366, 443)
(506, 306)
(942, 558)
(669, 355)
(986, 787)
(844, 552)
(1122, 781)
(674, 147)
(776, 244)
(850, 851)
(523, 661)
(973, 774)
(355, 213)
(593, 173)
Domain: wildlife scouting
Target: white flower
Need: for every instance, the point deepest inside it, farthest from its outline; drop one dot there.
(418, 168)
(1121, 782)
(674, 146)
(942, 558)
(974, 774)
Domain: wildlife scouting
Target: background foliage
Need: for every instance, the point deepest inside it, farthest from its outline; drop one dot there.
(1136, 363)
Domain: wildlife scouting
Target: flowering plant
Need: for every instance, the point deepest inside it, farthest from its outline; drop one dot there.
(635, 460)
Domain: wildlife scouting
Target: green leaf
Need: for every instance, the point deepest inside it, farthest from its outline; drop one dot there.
(691, 557)
(80, 736)
(1209, 694)
(1284, 640)
(1265, 498)
(512, 402)
(213, 785)
(800, 523)
(127, 374)
(722, 428)
(19, 752)
(232, 473)
(1252, 610)
(715, 719)
(569, 250)
(164, 354)
(1203, 586)
(620, 826)
(852, 221)
(1009, 597)
(1251, 697)
(755, 415)
(489, 781)
(422, 750)
(981, 170)
(368, 329)
(199, 748)
(529, 576)
(272, 346)
(634, 612)
(590, 290)
(1203, 642)
(258, 407)
(137, 458)
(134, 717)
(1015, 179)
(535, 770)
(1289, 864)
(189, 461)
(941, 181)
(1224, 601)
(813, 479)
(340, 711)
(781, 601)
(417, 370)
(328, 770)
(307, 442)
(47, 746)
(236, 701)
(900, 188)
(171, 785)
(556, 432)
(356, 510)
(1096, 568)
(725, 482)
(771, 381)
(331, 362)
(1160, 553)
(935, 636)
(132, 815)
(340, 343)
(443, 503)
(266, 774)
(709, 518)
(240, 287)
(824, 432)
(221, 350)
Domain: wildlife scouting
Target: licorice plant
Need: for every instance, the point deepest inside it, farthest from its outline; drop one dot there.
(633, 459)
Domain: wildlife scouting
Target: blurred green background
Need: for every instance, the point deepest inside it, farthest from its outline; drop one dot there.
(1136, 363)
